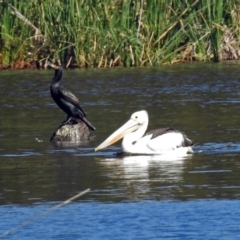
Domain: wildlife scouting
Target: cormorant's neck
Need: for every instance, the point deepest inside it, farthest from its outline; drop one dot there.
(58, 76)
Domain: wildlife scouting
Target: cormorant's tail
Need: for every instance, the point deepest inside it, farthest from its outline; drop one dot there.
(88, 124)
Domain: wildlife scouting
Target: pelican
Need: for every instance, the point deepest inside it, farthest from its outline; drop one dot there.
(159, 141)
(66, 100)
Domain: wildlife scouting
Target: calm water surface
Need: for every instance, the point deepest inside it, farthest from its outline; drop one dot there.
(136, 197)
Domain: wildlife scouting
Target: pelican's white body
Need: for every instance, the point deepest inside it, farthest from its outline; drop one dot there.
(166, 143)
(135, 143)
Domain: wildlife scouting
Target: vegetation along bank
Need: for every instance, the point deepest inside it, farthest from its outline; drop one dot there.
(107, 33)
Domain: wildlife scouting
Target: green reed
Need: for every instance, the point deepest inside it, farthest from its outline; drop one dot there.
(106, 33)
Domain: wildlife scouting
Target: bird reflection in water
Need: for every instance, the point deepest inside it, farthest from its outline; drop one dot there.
(144, 175)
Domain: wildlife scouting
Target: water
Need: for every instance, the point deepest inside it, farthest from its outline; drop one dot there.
(141, 197)
(132, 220)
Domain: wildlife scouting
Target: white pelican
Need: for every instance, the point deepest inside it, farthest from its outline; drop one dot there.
(159, 141)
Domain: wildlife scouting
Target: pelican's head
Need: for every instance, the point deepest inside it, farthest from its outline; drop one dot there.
(140, 117)
(137, 120)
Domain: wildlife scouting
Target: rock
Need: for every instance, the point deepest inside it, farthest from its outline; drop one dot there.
(74, 132)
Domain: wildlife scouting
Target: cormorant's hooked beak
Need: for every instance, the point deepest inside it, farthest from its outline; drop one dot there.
(52, 65)
(128, 127)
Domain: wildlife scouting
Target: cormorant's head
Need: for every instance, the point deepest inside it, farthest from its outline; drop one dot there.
(52, 65)
(58, 72)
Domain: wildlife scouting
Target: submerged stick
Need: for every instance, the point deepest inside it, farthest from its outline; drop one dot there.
(44, 213)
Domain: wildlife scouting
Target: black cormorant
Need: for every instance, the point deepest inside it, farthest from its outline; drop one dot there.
(67, 101)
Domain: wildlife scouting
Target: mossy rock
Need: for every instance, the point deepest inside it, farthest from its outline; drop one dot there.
(74, 132)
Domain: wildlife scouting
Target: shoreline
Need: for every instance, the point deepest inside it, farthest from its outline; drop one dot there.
(117, 33)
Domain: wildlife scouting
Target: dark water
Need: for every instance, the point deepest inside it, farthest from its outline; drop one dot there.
(142, 197)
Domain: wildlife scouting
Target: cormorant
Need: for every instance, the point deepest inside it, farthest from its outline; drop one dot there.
(67, 101)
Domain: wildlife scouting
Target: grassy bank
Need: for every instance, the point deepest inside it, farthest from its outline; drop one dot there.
(106, 33)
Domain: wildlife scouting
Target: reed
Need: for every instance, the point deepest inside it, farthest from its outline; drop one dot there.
(107, 33)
